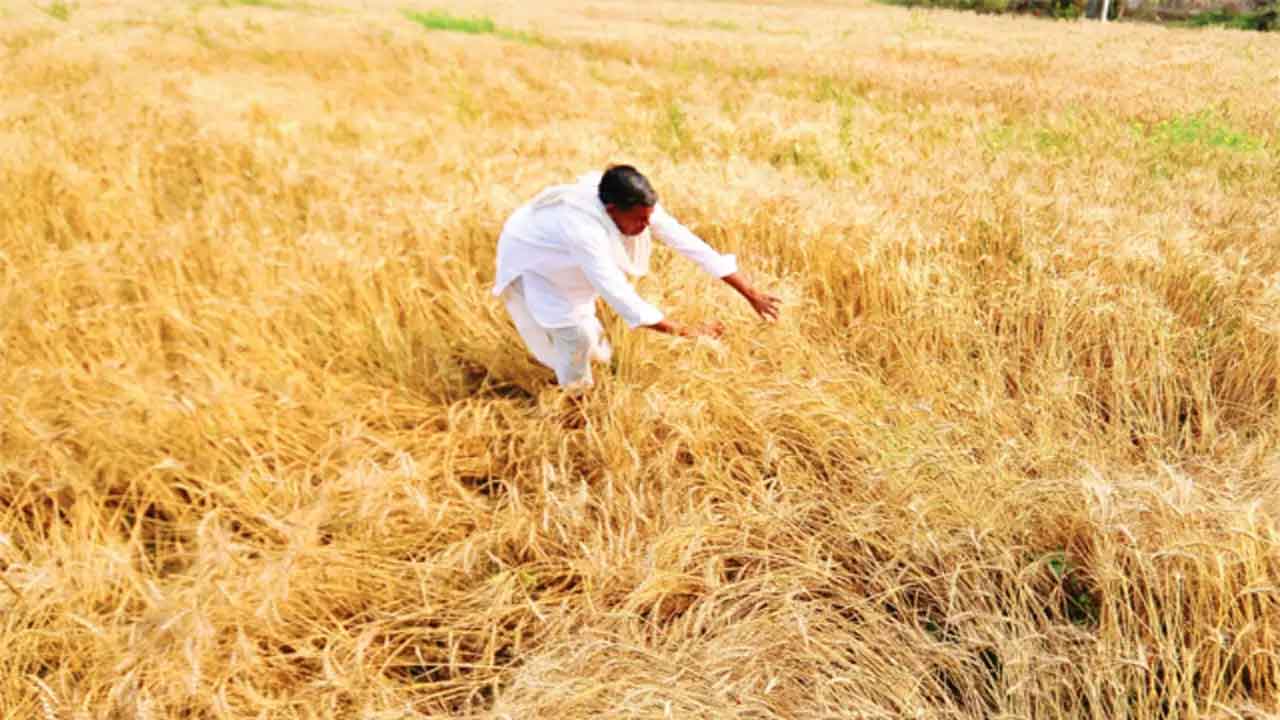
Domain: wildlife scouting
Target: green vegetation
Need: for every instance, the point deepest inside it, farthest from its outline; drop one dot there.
(204, 38)
(1202, 128)
(437, 20)
(1264, 19)
(440, 20)
(843, 92)
(59, 10)
(1052, 8)
(673, 130)
(1060, 139)
(1078, 599)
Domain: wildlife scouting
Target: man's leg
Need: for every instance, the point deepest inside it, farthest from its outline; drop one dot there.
(577, 347)
(601, 350)
(535, 337)
(573, 357)
(568, 351)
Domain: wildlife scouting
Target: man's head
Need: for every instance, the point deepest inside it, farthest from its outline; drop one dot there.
(628, 198)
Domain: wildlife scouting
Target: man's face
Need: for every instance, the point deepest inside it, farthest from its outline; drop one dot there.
(631, 221)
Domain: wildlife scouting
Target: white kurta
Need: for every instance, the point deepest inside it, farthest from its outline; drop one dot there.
(561, 251)
(571, 252)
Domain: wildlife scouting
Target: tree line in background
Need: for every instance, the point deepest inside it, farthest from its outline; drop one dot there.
(1259, 15)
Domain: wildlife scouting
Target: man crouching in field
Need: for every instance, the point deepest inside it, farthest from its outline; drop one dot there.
(574, 243)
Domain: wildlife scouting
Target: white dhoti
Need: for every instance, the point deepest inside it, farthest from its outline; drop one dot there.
(569, 351)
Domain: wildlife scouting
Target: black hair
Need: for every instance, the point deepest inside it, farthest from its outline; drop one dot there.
(625, 187)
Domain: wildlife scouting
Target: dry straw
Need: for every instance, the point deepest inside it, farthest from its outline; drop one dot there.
(268, 449)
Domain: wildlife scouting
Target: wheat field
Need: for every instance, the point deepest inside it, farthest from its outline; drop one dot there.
(269, 449)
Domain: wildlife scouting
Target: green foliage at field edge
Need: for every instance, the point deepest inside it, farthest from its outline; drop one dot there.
(440, 20)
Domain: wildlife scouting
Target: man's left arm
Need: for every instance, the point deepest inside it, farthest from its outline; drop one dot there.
(681, 239)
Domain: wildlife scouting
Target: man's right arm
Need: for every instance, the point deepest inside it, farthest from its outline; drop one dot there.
(591, 250)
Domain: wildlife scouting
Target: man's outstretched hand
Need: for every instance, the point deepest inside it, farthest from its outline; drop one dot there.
(712, 329)
(766, 305)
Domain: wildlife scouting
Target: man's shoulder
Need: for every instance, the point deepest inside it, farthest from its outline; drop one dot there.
(582, 222)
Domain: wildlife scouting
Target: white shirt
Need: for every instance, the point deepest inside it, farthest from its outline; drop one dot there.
(569, 252)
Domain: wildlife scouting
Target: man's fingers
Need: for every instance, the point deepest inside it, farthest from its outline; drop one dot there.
(769, 308)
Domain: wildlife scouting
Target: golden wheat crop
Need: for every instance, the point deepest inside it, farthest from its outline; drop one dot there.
(268, 448)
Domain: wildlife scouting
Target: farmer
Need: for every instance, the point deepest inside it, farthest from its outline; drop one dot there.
(574, 243)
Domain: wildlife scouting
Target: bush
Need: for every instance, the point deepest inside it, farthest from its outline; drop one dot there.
(1263, 19)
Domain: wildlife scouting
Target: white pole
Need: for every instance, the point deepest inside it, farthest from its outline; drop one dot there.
(1106, 7)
